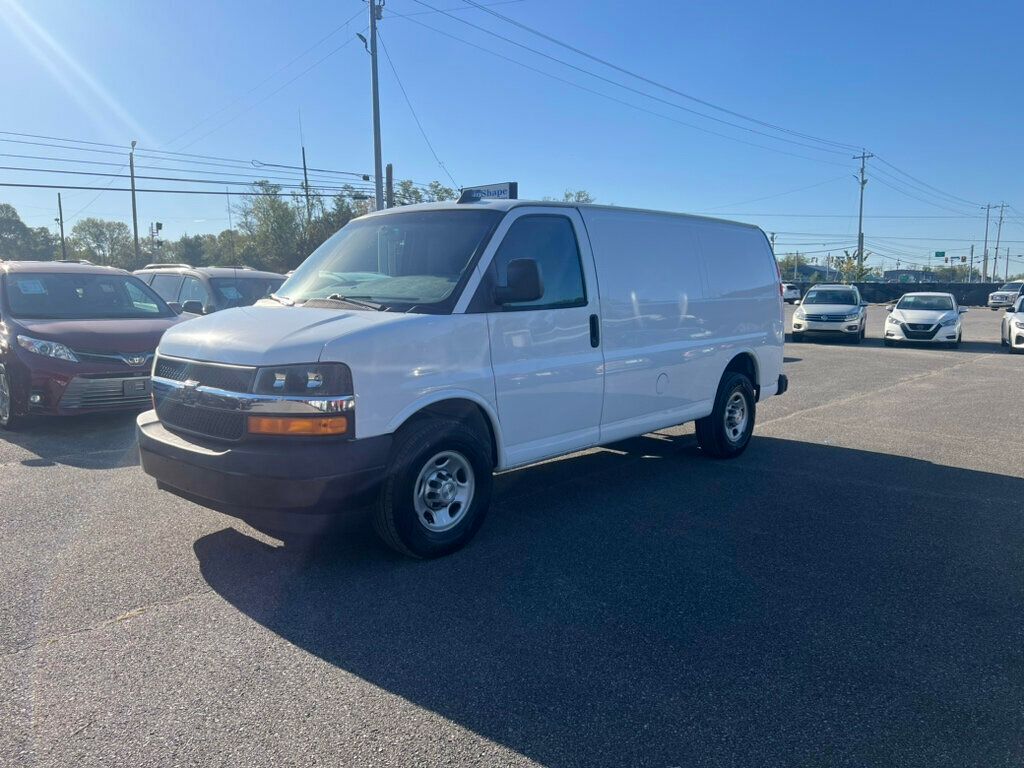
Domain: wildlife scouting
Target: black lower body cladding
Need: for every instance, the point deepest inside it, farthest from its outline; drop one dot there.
(292, 474)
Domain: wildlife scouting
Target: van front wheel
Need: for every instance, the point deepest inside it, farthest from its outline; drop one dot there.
(437, 489)
(726, 432)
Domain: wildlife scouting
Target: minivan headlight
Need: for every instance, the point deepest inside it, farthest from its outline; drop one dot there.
(47, 348)
(312, 380)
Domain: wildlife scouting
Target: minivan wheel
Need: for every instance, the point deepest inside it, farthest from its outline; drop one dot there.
(726, 432)
(7, 418)
(437, 489)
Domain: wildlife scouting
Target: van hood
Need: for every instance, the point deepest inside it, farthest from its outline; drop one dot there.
(271, 334)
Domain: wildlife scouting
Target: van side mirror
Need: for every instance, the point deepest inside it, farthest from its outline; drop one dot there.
(523, 283)
(193, 307)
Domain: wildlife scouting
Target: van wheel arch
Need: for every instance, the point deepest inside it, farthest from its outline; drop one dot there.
(746, 364)
(463, 411)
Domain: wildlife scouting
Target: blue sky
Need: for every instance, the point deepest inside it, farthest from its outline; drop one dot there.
(931, 88)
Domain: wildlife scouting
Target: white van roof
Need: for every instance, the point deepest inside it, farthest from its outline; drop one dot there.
(507, 205)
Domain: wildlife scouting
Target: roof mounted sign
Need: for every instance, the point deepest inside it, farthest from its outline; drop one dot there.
(507, 191)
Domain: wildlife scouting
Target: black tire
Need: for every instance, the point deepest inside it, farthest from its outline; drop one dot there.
(396, 519)
(859, 337)
(713, 436)
(8, 421)
(1014, 350)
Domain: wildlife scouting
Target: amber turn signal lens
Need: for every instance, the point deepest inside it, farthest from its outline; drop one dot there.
(298, 425)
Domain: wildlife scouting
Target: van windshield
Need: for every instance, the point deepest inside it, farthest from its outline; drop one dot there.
(401, 259)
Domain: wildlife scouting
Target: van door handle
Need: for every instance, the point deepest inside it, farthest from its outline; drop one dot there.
(595, 331)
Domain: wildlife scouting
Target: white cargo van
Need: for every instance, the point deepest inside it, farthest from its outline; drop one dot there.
(422, 348)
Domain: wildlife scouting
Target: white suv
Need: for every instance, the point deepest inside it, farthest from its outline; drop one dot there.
(790, 293)
(1011, 330)
(924, 318)
(831, 310)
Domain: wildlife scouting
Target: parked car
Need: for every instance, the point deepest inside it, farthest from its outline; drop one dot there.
(209, 289)
(924, 318)
(790, 293)
(1006, 296)
(75, 338)
(421, 348)
(832, 311)
(1011, 329)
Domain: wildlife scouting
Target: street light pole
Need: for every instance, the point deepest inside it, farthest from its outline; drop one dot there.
(135, 210)
(375, 14)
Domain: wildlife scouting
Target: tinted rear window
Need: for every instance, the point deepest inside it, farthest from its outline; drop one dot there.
(243, 291)
(80, 296)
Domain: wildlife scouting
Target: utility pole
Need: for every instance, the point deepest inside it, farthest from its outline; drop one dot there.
(863, 156)
(231, 226)
(970, 269)
(796, 263)
(60, 214)
(995, 266)
(389, 185)
(999, 234)
(135, 211)
(984, 253)
(376, 8)
(772, 241)
(305, 174)
(1006, 276)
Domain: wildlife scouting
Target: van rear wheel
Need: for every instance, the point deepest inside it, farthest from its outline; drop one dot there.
(437, 489)
(726, 432)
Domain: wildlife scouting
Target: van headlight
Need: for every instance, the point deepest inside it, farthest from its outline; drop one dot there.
(47, 348)
(313, 380)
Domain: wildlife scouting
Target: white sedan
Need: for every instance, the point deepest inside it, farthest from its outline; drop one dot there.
(924, 318)
(1011, 332)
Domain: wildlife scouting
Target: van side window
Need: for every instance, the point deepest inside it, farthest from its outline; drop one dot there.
(551, 242)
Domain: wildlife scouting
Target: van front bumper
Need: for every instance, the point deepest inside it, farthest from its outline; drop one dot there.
(295, 474)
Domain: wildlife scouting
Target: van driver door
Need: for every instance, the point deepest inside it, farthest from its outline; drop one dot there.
(546, 354)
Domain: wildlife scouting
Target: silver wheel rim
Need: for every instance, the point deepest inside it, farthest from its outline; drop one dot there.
(5, 398)
(444, 491)
(736, 416)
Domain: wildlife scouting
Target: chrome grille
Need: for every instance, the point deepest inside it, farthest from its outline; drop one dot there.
(102, 393)
(826, 318)
(233, 378)
(125, 358)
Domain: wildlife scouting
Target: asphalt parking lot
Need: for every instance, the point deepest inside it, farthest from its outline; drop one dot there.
(849, 592)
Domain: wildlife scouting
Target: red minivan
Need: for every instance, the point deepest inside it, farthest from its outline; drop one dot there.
(75, 338)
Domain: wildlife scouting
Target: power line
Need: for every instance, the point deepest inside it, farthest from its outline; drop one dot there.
(250, 193)
(419, 125)
(617, 84)
(893, 186)
(649, 81)
(268, 78)
(781, 194)
(929, 186)
(617, 100)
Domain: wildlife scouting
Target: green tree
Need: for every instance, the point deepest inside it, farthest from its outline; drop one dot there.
(18, 241)
(104, 242)
(272, 227)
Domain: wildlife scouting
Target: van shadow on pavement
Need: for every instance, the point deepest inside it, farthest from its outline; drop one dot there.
(642, 605)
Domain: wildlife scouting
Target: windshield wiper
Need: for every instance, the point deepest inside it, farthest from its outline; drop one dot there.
(282, 300)
(358, 301)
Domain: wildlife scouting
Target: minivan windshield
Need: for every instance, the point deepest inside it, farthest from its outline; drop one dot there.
(81, 296)
(932, 303)
(1011, 287)
(411, 258)
(847, 298)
